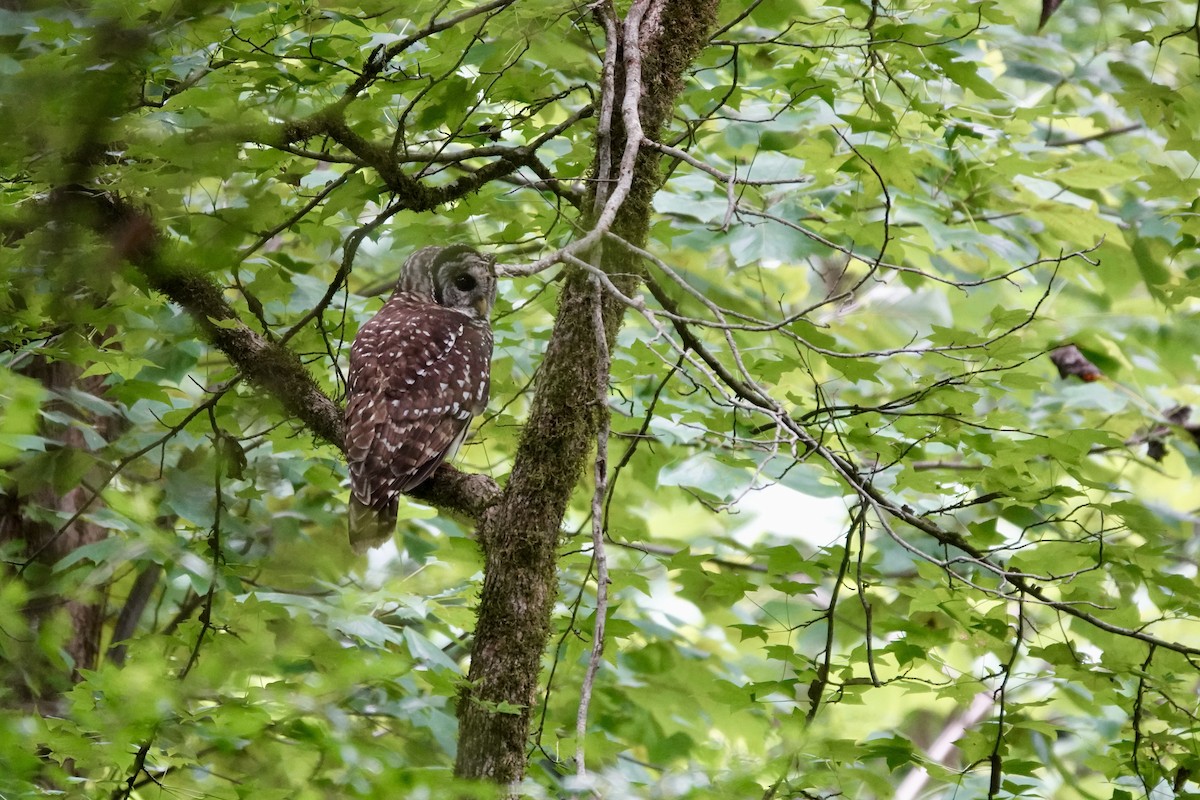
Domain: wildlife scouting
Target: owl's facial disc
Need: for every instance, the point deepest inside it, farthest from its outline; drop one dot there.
(469, 283)
(478, 284)
(456, 276)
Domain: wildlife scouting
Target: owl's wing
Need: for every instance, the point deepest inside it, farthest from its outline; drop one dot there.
(418, 373)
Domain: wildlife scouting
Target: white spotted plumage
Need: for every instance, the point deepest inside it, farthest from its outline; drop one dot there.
(419, 372)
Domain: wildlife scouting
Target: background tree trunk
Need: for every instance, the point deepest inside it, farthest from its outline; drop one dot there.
(40, 678)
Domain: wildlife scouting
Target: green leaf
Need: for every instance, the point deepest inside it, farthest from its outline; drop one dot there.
(706, 473)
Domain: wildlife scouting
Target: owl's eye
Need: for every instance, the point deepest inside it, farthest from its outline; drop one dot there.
(464, 282)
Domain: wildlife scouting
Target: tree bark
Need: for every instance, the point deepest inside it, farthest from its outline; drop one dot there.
(34, 679)
(520, 534)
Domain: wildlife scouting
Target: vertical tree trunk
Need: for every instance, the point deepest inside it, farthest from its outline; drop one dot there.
(40, 680)
(520, 534)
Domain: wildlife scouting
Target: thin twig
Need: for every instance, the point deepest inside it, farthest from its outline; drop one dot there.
(598, 552)
(215, 397)
(630, 115)
(995, 760)
(630, 112)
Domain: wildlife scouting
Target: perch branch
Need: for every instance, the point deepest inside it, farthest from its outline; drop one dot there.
(270, 366)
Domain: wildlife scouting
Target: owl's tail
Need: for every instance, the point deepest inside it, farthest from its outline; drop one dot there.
(370, 527)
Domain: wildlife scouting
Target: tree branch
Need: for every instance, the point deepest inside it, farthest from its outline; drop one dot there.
(272, 367)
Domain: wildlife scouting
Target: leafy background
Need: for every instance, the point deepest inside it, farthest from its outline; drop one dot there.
(949, 195)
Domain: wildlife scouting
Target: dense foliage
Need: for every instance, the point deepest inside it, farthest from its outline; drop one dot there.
(854, 514)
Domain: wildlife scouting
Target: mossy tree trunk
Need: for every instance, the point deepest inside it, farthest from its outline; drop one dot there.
(520, 534)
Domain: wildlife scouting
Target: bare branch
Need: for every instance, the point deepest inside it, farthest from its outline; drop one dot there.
(598, 555)
(630, 115)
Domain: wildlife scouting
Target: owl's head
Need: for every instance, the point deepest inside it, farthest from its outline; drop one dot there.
(457, 276)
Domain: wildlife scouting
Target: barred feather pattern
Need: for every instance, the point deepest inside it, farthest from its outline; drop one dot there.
(419, 372)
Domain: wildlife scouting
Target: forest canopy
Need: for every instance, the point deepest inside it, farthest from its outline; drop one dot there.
(842, 437)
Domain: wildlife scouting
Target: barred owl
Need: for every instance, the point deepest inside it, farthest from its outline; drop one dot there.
(419, 372)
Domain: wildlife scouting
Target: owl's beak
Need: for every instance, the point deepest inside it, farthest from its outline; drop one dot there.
(482, 306)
